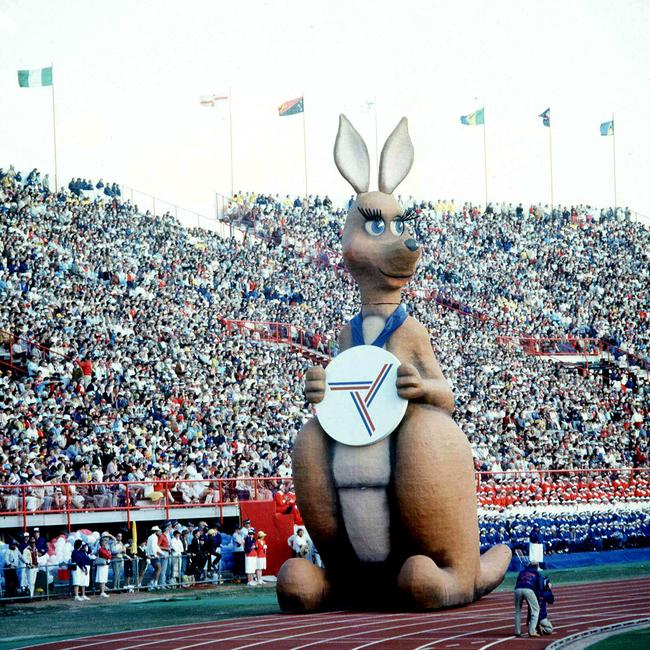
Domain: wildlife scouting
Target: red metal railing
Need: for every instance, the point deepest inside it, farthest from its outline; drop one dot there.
(163, 496)
(294, 337)
(132, 496)
(8, 339)
(555, 346)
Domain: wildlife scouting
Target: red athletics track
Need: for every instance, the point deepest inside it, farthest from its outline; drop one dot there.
(485, 624)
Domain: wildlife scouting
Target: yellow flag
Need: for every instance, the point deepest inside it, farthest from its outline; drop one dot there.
(134, 538)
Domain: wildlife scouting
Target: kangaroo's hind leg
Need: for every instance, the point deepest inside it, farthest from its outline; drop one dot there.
(434, 487)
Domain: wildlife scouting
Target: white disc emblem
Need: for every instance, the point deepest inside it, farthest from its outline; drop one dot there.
(361, 404)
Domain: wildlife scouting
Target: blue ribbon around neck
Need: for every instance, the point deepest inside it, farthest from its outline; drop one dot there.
(395, 320)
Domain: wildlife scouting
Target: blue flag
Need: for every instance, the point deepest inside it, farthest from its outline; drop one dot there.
(546, 117)
(607, 128)
(473, 119)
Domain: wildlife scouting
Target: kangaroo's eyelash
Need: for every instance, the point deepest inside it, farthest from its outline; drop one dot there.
(410, 215)
(371, 214)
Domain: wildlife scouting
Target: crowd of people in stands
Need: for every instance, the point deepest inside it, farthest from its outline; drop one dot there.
(119, 363)
(564, 531)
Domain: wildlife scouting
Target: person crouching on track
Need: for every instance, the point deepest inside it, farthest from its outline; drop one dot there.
(545, 598)
(261, 556)
(528, 587)
(250, 551)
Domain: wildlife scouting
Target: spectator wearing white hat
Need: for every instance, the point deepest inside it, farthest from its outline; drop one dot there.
(154, 555)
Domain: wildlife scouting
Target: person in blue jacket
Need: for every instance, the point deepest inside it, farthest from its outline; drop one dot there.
(544, 626)
(529, 586)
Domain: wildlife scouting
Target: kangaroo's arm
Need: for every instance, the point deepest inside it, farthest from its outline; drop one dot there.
(421, 381)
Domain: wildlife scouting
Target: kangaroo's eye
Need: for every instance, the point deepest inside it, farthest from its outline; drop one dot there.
(375, 227)
(397, 227)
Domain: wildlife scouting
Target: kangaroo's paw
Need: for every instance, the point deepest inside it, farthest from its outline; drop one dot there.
(302, 587)
(494, 564)
(424, 585)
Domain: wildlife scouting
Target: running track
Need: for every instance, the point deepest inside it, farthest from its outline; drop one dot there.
(485, 624)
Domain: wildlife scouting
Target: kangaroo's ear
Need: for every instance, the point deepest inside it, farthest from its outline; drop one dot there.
(396, 158)
(351, 156)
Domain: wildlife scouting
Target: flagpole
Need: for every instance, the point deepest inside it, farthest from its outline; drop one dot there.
(376, 141)
(304, 146)
(56, 173)
(550, 153)
(485, 160)
(232, 173)
(614, 158)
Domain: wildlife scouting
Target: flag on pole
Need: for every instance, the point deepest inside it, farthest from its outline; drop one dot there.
(546, 117)
(34, 78)
(607, 128)
(473, 119)
(292, 107)
(211, 100)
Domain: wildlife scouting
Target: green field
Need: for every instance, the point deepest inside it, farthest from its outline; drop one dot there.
(30, 623)
(626, 641)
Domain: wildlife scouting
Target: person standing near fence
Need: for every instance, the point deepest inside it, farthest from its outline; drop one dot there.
(12, 562)
(117, 551)
(80, 565)
(153, 555)
(30, 560)
(261, 556)
(238, 539)
(165, 550)
(176, 549)
(103, 562)
(250, 551)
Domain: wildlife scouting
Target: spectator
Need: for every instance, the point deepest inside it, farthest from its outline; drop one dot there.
(118, 550)
(80, 564)
(250, 552)
(102, 563)
(261, 556)
(154, 556)
(176, 550)
(12, 561)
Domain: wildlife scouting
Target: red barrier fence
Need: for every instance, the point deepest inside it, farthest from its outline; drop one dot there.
(132, 496)
(500, 489)
(8, 356)
(555, 346)
(295, 337)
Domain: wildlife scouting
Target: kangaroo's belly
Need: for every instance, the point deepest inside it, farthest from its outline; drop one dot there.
(362, 476)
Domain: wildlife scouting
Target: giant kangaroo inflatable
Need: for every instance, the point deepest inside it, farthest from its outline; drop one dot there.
(395, 522)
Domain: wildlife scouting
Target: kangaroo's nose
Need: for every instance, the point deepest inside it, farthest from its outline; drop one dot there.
(411, 244)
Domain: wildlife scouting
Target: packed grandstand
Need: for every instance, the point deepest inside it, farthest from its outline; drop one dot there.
(135, 349)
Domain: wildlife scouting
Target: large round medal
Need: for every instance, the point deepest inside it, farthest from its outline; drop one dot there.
(361, 404)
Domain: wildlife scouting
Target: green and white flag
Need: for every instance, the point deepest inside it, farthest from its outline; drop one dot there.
(32, 78)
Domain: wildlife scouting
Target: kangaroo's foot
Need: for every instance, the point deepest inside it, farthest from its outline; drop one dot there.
(302, 587)
(424, 585)
(494, 564)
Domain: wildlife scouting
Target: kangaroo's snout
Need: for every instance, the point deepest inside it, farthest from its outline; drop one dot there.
(412, 245)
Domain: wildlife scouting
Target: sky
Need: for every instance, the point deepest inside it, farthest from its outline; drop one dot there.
(128, 76)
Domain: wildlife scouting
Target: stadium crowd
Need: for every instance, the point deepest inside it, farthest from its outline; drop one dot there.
(564, 531)
(120, 322)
